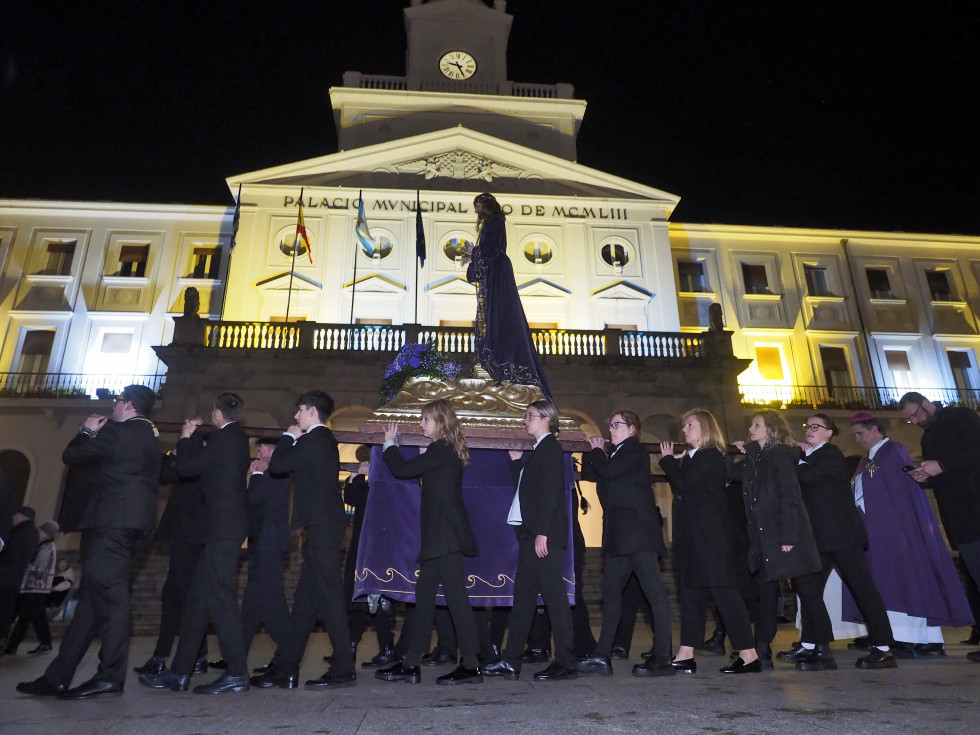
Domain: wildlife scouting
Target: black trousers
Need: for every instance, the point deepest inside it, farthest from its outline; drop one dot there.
(632, 599)
(320, 588)
(853, 569)
(448, 571)
(33, 610)
(646, 565)
(264, 598)
(731, 609)
(765, 623)
(175, 593)
(213, 599)
(103, 608)
(545, 577)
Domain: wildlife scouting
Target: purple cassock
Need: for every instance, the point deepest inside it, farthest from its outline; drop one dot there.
(390, 538)
(907, 556)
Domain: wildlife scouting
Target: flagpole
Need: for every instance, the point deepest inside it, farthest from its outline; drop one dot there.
(353, 289)
(419, 248)
(292, 269)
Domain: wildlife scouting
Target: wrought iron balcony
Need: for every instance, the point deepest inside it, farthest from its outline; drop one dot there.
(72, 385)
(848, 397)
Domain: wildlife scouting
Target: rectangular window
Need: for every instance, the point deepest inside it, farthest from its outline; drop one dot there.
(770, 363)
(816, 281)
(898, 366)
(132, 260)
(116, 343)
(878, 283)
(964, 373)
(59, 255)
(835, 371)
(755, 279)
(691, 276)
(939, 287)
(206, 263)
(35, 353)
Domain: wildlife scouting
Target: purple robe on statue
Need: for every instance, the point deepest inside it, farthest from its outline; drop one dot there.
(391, 535)
(907, 556)
(503, 339)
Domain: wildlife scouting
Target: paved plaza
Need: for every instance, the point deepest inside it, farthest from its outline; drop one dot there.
(938, 696)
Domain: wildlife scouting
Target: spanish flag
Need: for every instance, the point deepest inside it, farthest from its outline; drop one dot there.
(301, 236)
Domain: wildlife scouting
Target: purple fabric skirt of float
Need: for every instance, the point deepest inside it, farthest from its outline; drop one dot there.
(389, 544)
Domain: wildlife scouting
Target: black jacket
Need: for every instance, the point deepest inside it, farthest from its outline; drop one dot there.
(268, 511)
(542, 493)
(122, 476)
(953, 438)
(630, 520)
(314, 463)
(445, 524)
(829, 499)
(184, 518)
(704, 540)
(221, 465)
(21, 543)
(776, 514)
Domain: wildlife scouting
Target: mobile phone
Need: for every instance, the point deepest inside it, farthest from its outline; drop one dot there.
(908, 468)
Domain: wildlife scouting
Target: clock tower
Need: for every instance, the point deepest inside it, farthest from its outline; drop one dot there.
(456, 75)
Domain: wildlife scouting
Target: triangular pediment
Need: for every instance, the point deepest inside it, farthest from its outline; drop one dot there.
(452, 285)
(541, 287)
(377, 283)
(455, 159)
(623, 290)
(281, 282)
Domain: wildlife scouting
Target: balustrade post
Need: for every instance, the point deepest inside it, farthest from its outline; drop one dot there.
(412, 332)
(612, 337)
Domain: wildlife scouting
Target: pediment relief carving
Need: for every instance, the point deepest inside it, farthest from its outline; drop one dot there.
(458, 164)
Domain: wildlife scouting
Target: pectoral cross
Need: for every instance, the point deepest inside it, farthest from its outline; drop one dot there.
(870, 468)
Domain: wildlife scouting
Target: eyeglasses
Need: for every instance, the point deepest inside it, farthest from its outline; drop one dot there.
(908, 419)
(531, 416)
(614, 424)
(814, 427)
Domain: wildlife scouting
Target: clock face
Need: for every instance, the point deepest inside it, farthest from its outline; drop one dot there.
(457, 65)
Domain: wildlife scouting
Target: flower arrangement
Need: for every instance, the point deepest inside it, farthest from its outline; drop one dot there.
(417, 359)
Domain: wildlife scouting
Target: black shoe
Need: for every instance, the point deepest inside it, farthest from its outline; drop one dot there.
(219, 664)
(647, 655)
(715, 644)
(200, 666)
(400, 672)
(973, 640)
(929, 649)
(262, 669)
(821, 658)
(794, 654)
(536, 655)
(92, 689)
(619, 652)
(491, 654)
(740, 667)
(594, 664)
(42, 648)
(438, 657)
(224, 683)
(655, 666)
(275, 677)
(555, 672)
(331, 680)
(863, 643)
(153, 666)
(765, 657)
(502, 667)
(461, 675)
(685, 665)
(877, 659)
(40, 687)
(900, 649)
(386, 657)
(973, 656)
(166, 679)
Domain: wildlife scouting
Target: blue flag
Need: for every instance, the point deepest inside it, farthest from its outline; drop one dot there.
(361, 229)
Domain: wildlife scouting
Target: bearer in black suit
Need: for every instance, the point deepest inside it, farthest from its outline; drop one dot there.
(308, 450)
(540, 518)
(221, 464)
(117, 508)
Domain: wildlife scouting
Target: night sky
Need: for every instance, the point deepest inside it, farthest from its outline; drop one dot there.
(835, 115)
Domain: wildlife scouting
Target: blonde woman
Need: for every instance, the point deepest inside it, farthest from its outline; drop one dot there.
(446, 538)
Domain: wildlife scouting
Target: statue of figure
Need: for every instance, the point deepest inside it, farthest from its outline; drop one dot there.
(192, 301)
(715, 321)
